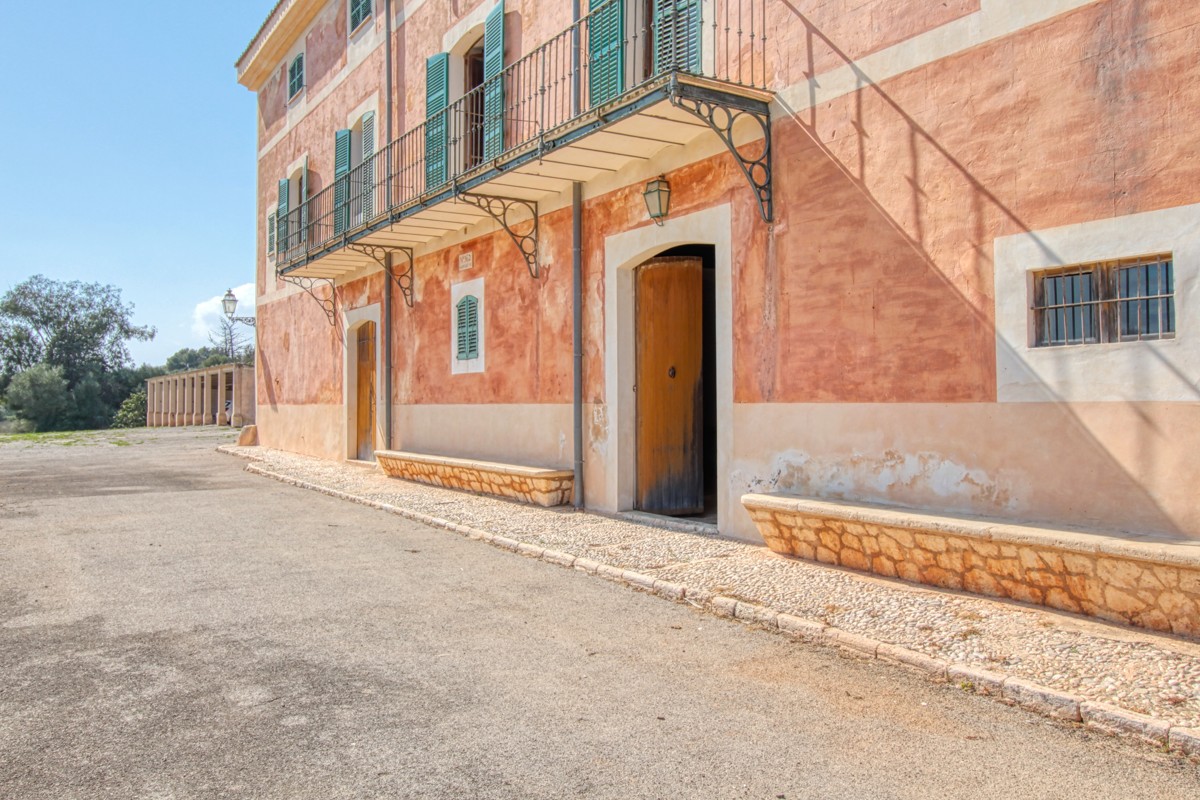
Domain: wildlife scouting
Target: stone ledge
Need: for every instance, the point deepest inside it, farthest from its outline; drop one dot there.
(1152, 584)
(543, 487)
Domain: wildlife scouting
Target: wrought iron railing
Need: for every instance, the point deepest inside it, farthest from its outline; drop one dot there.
(618, 48)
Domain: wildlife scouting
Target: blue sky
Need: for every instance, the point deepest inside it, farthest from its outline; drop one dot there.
(129, 154)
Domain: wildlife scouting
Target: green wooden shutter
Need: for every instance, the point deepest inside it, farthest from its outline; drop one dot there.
(282, 216)
(467, 328)
(677, 32)
(493, 83)
(606, 50)
(296, 76)
(341, 182)
(368, 166)
(437, 98)
(272, 222)
(303, 209)
(359, 11)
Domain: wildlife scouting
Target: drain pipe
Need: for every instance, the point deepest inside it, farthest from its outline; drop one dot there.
(577, 279)
(577, 309)
(386, 333)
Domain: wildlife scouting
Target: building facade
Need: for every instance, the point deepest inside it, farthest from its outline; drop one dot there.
(935, 256)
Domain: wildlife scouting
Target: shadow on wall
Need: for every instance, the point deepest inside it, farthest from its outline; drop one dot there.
(916, 180)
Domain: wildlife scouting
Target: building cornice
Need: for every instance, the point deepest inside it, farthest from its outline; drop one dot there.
(286, 21)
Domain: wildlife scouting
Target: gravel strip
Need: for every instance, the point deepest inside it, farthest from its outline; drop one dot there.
(1140, 671)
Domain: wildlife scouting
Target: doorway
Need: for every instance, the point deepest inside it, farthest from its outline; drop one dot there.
(365, 394)
(676, 400)
(473, 80)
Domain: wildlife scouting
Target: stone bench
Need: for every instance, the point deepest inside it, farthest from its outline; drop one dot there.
(1152, 584)
(543, 487)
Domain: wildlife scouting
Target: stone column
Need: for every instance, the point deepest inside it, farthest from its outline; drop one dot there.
(160, 412)
(177, 406)
(149, 403)
(222, 415)
(169, 404)
(197, 386)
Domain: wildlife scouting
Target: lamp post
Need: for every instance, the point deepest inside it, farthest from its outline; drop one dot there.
(229, 301)
(658, 199)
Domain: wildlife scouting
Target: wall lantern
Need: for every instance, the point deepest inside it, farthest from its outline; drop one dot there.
(229, 301)
(658, 199)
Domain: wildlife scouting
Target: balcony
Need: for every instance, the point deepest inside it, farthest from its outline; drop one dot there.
(617, 87)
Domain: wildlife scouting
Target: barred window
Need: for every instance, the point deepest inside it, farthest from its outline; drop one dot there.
(1112, 301)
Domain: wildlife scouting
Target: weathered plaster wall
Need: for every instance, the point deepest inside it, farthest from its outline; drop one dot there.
(864, 348)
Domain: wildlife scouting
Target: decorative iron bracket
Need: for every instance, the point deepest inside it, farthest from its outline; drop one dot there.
(379, 254)
(500, 209)
(721, 117)
(309, 285)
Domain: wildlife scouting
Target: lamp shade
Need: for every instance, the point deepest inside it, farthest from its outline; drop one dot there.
(229, 301)
(658, 198)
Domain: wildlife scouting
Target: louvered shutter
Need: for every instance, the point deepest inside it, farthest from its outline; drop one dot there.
(341, 182)
(606, 50)
(677, 31)
(437, 98)
(282, 217)
(302, 212)
(493, 83)
(272, 223)
(467, 327)
(368, 166)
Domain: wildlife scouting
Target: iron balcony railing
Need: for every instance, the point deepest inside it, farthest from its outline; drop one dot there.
(613, 51)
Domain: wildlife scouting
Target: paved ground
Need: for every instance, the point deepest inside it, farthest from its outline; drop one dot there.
(171, 627)
(1136, 670)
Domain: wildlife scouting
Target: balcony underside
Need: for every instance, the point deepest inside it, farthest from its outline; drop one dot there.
(667, 112)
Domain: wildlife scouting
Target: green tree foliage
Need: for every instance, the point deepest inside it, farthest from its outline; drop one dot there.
(193, 358)
(39, 394)
(79, 329)
(132, 413)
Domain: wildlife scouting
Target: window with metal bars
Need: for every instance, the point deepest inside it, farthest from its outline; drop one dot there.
(467, 328)
(296, 76)
(359, 11)
(1112, 301)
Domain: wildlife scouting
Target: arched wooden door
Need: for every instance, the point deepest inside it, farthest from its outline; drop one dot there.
(670, 410)
(365, 394)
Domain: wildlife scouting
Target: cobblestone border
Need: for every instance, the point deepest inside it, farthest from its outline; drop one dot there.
(1008, 689)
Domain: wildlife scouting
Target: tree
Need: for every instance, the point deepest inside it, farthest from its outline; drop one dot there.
(39, 394)
(192, 358)
(79, 329)
(231, 342)
(132, 413)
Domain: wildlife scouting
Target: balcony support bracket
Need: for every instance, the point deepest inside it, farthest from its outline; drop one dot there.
(722, 114)
(381, 255)
(501, 209)
(309, 285)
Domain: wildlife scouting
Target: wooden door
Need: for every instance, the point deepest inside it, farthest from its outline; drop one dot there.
(366, 392)
(670, 389)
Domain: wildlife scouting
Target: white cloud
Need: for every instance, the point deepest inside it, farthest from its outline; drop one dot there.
(207, 314)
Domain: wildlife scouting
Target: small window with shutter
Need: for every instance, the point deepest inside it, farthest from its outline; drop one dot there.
(467, 325)
(296, 76)
(360, 10)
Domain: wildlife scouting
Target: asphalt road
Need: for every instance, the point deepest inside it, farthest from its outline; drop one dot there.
(172, 627)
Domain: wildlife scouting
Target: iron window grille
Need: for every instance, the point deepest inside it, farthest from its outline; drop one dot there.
(359, 11)
(296, 76)
(1112, 301)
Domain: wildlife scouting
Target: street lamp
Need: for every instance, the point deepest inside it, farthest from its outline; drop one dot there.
(229, 301)
(658, 199)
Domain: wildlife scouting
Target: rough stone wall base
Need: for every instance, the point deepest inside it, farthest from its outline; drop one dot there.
(543, 487)
(1151, 585)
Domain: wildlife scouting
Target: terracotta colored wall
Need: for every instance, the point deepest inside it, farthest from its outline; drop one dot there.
(527, 335)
